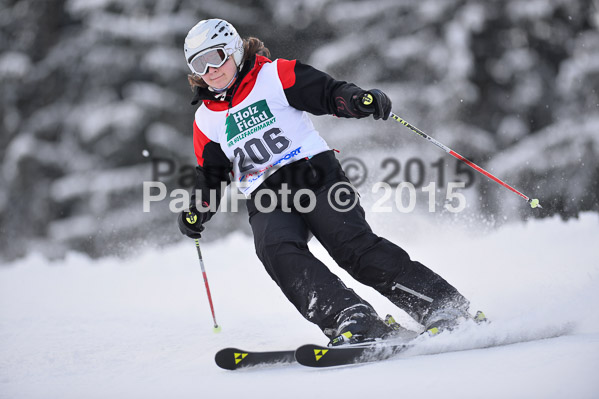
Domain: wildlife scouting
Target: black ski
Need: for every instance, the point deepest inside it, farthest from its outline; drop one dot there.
(309, 355)
(233, 358)
(325, 356)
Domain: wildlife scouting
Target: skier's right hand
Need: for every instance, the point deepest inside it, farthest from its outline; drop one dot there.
(191, 222)
(376, 103)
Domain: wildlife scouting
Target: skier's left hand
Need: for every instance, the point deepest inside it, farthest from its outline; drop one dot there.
(377, 103)
(191, 222)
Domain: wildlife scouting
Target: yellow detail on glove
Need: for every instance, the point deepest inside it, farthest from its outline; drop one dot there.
(191, 218)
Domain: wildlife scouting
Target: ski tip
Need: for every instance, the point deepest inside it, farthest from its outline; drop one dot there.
(229, 358)
(234, 358)
(310, 354)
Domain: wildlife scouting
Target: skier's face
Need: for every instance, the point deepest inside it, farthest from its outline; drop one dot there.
(220, 77)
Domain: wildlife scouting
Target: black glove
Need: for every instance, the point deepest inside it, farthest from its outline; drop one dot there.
(375, 102)
(191, 223)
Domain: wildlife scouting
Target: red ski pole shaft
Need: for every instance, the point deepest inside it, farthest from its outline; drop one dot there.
(216, 326)
(533, 202)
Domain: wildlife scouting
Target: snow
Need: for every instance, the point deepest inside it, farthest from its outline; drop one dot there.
(141, 327)
(164, 62)
(359, 11)
(551, 146)
(85, 183)
(339, 51)
(102, 120)
(14, 65)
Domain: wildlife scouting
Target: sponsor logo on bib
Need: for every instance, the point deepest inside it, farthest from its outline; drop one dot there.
(248, 121)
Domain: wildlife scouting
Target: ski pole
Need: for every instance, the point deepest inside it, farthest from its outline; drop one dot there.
(534, 203)
(216, 328)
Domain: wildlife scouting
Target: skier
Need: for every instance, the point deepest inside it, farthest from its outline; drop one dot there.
(252, 124)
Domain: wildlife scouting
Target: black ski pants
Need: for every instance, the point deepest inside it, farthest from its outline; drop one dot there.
(281, 235)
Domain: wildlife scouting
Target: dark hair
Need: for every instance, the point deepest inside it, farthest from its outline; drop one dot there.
(251, 47)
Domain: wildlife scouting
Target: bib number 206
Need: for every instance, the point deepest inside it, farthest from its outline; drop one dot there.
(260, 151)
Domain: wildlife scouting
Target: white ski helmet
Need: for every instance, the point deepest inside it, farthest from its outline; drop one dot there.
(213, 33)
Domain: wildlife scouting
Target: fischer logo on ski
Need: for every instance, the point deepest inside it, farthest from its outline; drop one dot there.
(319, 353)
(239, 357)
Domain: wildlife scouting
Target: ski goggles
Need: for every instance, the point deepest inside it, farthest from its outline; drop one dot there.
(212, 57)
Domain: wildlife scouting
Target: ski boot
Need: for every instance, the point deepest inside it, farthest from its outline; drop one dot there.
(448, 319)
(399, 332)
(359, 327)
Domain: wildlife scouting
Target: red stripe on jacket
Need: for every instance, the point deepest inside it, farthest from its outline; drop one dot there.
(199, 142)
(286, 70)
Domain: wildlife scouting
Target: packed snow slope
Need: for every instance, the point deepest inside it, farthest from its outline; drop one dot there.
(141, 327)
